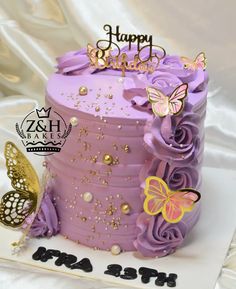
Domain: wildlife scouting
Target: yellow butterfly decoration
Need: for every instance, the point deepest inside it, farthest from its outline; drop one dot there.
(171, 204)
(16, 205)
(199, 62)
(97, 56)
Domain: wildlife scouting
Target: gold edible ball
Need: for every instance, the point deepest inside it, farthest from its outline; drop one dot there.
(83, 90)
(125, 208)
(107, 159)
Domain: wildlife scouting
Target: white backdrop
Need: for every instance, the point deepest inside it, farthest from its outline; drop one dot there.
(34, 32)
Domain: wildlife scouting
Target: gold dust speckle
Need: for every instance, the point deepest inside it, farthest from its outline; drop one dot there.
(94, 159)
(115, 146)
(126, 148)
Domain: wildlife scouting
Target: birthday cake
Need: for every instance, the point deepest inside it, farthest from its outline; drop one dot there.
(128, 175)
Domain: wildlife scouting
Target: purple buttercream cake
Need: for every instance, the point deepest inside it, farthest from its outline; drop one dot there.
(116, 143)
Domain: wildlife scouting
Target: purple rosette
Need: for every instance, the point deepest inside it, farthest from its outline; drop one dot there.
(175, 139)
(197, 79)
(176, 177)
(135, 88)
(46, 222)
(156, 237)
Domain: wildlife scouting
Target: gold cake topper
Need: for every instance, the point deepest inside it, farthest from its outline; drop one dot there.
(24, 201)
(107, 53)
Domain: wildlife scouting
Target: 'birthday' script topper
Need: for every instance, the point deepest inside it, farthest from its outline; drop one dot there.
(144, 57)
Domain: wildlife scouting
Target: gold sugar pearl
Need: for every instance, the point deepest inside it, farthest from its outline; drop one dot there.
(107, 159)
(74, 121)
(97, 108)
(83, 90)
(125, 208)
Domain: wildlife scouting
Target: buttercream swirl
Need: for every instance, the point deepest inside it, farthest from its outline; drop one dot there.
(175, 139)
(74, 63)
(176, 177)
(158, 238)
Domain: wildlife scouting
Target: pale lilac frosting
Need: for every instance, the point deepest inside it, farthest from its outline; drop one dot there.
(46, 222)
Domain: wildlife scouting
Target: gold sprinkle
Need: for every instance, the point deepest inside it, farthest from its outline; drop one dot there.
(97, 108)
(83, 90)
(125, 208)
(94, 159)
(110, 96)
(83, 219)
(107, 159)
(126, 148)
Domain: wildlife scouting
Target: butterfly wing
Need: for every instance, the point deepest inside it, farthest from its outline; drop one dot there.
(97, 56)
(179, 203)
(176, 100)
(188, 63)
(15, 207)
(91, 52)
(18, 204)
(156, 192)
(201, 60)
(159, 101)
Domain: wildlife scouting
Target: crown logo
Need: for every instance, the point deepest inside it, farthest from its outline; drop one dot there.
(43, 113)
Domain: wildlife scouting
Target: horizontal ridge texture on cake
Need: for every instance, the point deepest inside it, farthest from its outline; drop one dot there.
(98, 177)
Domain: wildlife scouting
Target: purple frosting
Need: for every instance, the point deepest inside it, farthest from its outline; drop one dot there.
(46, 222)
(174, 139)
(169, 74)
(157, 237)
(176, 177)
(74, 62)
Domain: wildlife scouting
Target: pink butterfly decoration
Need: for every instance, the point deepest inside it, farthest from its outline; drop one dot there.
(172, 204)
(163, 105)
(199, 62)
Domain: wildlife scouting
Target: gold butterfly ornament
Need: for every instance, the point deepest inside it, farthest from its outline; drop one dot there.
(160, 199)
(18, 204)
(97, 56)
(163, 105)
(199, 62)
